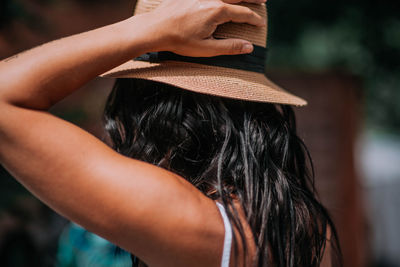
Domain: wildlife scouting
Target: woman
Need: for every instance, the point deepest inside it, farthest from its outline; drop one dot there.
(222, 163)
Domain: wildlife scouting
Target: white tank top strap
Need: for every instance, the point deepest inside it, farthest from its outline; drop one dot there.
(226, 253)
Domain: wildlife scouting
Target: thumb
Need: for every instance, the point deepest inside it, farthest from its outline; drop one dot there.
(228, 46)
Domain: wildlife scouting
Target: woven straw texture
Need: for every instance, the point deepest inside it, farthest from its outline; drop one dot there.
(255, 35)
(211, 80)
(219, 81)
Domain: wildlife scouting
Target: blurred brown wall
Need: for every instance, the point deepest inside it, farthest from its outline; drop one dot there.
(47, 20)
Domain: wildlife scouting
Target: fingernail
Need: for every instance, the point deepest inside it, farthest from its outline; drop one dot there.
(247, 48)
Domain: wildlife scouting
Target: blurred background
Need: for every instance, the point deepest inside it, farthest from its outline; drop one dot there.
(342, 56)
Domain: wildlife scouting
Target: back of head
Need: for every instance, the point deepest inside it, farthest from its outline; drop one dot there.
(228, 149)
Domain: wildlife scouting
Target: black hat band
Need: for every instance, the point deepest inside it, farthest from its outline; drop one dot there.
(254, 62)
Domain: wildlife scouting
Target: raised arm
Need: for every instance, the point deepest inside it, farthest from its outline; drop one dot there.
(42, 76)
(149, 211)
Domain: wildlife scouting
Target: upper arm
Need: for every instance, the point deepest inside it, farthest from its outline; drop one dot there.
(147, 210)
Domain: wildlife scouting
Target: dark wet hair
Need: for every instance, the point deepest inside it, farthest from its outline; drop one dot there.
(223, 147)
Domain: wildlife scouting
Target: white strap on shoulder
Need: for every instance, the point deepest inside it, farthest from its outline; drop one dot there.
(226, 254)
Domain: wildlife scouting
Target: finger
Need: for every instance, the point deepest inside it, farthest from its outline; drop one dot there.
(229, 46)
(241, 14)
(245, 1)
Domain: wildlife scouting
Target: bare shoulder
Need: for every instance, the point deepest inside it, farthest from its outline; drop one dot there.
(327, 256)
(168, 222)
(238, 258)
(149, 211)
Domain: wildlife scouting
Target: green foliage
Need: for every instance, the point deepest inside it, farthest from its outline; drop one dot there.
(362, 37)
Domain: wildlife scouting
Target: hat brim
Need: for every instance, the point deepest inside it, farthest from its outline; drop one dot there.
(212, 80)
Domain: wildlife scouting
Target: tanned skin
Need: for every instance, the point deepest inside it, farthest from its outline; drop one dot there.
(150, 212)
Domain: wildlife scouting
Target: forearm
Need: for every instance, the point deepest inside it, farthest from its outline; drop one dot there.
(40, 77)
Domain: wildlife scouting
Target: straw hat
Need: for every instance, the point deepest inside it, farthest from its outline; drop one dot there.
(239, 76)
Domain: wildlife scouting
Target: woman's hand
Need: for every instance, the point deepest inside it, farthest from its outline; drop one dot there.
(44, 75)
(186, 26)
(121, 199)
